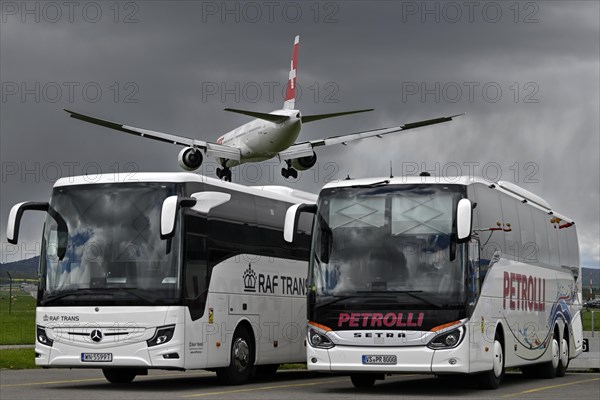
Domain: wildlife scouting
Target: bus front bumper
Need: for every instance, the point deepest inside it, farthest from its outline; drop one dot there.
(414, 359)
(134, 355)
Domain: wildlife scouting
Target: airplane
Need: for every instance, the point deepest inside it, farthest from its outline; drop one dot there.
(269, 135)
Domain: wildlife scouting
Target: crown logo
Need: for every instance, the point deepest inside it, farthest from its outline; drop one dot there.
(249, 278)
(46, 318)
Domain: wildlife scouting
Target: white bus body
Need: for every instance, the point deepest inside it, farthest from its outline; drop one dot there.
(440, 276)
(168, 271)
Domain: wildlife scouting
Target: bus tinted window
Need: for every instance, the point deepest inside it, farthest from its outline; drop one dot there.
(553, 243)
(490, 213)
(562, 246)
(540, 222)
(512, 233)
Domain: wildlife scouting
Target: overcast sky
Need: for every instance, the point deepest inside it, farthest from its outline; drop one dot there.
(526, 74)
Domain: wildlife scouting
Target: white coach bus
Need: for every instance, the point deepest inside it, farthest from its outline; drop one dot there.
(440, 276)
(168, 271)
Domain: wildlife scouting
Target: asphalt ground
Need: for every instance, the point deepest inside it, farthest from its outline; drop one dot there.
(80, 384)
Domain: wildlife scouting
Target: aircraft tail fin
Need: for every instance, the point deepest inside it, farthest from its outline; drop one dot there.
(290, 90)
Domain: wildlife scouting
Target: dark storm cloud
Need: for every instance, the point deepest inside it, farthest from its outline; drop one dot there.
(527, 78)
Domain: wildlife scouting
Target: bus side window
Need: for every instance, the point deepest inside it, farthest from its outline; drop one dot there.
(475, 279)
(196, 279)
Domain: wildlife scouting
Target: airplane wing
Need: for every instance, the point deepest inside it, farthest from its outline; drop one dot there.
(304, 149)
(211, 149)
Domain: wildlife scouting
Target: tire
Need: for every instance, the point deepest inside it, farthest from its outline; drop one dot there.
(241, 364)
(363, 381)
(267, 371)
(563, 362)
(549, 370)
(491, 379)
(119, 375)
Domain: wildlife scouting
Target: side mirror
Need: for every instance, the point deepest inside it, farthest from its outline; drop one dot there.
(201, 202)
(15, 215)
(168, 214)
(292, 216)
(205, 201)
(167, 217)
(464, 213)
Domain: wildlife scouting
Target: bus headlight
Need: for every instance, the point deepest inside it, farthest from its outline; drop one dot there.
(319, 340)
(162, 335)
(448, 340)
(42, 337)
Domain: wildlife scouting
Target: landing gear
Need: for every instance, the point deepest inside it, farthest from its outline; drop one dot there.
(289, 172)
(224, 173)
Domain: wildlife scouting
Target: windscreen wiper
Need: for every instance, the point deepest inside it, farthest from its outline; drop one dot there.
(371, 185)
(76, 292)
(98, 291)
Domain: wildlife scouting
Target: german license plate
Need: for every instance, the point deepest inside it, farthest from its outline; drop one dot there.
(389, 360)
(96, 357)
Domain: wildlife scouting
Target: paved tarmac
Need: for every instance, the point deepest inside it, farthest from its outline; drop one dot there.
(90, 384)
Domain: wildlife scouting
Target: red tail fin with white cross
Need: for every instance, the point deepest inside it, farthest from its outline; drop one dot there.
(290, 90)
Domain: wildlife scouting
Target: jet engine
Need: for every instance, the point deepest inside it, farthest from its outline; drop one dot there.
(304, 163)
(190, 158)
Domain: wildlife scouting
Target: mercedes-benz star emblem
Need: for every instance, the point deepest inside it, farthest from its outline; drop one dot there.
(96, 335)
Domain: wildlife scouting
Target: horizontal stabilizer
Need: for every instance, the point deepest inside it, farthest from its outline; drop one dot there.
(278, 119)
(310, 118)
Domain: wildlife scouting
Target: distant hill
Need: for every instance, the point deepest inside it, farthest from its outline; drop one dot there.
(20, 269)
(28, 269)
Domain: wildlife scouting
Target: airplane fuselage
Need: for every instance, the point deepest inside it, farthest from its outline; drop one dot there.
(260, 140)
(265, 137)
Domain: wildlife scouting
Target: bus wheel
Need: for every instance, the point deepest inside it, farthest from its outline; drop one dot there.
(363, 381)
(563, 362)
(241, 364)
(119, 375)
(267, 371)
(549, 369)
(491, 379)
